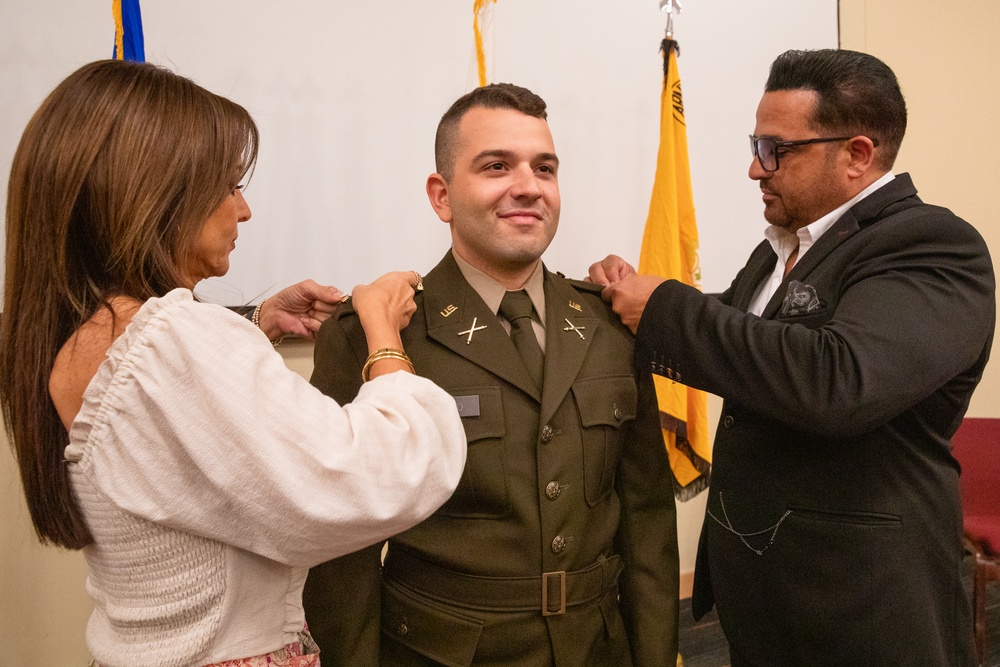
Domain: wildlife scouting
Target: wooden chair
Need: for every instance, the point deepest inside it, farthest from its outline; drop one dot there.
(976, 445)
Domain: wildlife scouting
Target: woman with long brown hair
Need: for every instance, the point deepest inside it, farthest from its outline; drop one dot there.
(163, 436)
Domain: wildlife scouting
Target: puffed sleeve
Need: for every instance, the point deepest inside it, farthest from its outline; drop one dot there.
(197, 424)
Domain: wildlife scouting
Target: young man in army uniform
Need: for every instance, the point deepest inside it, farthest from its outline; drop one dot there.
(560, 545)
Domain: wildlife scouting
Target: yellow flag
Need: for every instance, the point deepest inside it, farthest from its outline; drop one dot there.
(481, 25)
(670, 250)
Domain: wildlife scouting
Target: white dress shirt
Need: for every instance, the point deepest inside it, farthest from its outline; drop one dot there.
(784, 243)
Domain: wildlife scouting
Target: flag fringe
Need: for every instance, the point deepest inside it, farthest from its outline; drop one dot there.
(477, 9)
(118, 53)
(666, 46)
(679, 428)
(686, 493)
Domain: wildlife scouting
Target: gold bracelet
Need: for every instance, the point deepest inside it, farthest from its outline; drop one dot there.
(379, 355)
(255, 318)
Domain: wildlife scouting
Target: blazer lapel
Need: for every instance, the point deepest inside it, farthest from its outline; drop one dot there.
(759, 266)
(460, 320)
(841, 230)
(862, 214)
(569, 330)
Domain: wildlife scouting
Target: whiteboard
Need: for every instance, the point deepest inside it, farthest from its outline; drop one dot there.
(348, 95)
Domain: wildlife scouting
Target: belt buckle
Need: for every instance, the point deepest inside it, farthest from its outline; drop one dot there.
(545, 592)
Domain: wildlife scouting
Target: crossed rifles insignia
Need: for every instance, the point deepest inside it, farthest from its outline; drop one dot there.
(471, 331)
(574, 328)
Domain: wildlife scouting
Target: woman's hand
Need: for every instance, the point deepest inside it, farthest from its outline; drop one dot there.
(387, 302)
(299, 309)
(384, 308)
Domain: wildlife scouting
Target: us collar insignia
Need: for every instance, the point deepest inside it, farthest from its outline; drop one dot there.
(471, 330)
(448, 311)
(575, 306)
(573, 327)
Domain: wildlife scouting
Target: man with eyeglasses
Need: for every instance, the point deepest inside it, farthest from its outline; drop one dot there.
(846, 350)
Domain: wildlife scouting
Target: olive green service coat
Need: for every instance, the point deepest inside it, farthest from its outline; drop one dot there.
(571, 479)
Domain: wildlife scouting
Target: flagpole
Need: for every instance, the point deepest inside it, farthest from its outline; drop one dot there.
(670, 7)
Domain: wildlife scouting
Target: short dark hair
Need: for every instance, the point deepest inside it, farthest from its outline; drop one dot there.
(493, 96)
(858, 94)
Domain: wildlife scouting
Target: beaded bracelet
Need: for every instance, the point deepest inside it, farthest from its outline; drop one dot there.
(255, 318)
(379, 355)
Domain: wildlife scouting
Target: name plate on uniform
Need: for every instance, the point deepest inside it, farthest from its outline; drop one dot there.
(468, 406)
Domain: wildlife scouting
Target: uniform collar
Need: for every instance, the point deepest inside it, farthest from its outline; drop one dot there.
(492, 292)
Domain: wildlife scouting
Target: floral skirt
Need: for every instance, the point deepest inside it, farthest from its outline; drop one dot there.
(303, 653)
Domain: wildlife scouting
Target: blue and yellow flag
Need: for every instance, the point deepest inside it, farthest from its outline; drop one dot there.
(128, 31)
(670, 250)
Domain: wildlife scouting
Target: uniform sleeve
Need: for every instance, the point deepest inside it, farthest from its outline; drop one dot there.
(204, 429)
(342, 597)
(647, 538)
(338, 357)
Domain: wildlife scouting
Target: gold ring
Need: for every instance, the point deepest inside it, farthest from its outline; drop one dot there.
(419, 287)
(345, 298)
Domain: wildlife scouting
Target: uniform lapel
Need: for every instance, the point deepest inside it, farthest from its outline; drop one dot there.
(569, 330)
(452, 308)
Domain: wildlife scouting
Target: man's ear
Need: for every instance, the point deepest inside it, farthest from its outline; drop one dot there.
(437, 193)
(862, 156)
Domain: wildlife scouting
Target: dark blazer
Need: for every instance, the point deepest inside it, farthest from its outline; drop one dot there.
(573, 477)
(833, 533)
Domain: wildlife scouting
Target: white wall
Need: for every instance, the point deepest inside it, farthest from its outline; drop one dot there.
(348, 94)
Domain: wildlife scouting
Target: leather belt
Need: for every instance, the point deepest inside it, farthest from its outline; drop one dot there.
(551, 593)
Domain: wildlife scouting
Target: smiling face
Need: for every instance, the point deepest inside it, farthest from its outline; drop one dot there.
(812, 179)
(209, 254)
(502, 198)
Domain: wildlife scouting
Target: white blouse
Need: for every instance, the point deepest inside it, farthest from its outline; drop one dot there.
(212, 478)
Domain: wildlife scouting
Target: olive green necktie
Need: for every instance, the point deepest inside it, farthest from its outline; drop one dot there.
(516, 308)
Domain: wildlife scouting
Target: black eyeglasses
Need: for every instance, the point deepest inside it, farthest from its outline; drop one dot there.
(765, 149)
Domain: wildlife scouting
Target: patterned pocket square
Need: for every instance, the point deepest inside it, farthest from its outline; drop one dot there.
(800, 299)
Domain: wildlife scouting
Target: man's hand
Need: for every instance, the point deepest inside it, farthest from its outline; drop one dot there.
(628, 296)
(299, 309)
(610, 270)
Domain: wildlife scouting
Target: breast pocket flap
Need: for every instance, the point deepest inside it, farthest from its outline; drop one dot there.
(606, 401)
